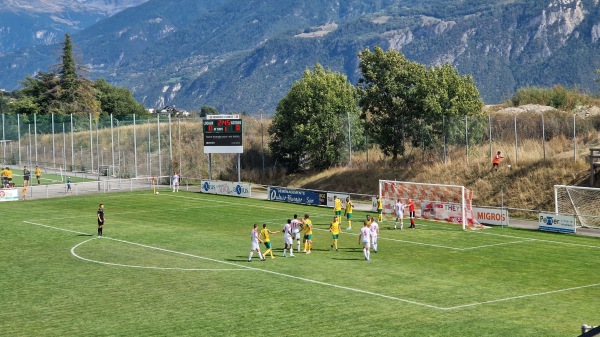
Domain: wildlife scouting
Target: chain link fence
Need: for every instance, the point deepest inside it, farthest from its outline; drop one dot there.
(160, 145)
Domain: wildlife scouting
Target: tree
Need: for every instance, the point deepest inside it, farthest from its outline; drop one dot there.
(309, 123)
(404, 101)
(117, 101)
(208, 110)
(42, 90)
(76, 94)
(390, 90)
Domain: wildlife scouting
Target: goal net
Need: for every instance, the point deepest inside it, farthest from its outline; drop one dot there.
(583, 202)
(447, 203)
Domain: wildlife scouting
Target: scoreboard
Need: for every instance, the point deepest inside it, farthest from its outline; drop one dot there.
(223, 134)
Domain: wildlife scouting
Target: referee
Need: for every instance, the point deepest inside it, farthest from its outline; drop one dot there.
(100, 219)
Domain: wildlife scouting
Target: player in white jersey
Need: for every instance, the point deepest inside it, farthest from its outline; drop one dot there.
(175, 182)
(374, 235)
(296, 230)
(399, 210)
(255, 244)
(287, 238)
(364, 238)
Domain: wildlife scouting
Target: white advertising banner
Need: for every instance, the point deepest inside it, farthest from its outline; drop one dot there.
(491, 216)
(449, 212)
(342, 197)
(9, 194)
(557, 223)
(226, 188)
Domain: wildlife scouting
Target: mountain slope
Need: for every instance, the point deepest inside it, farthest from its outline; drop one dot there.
(243, 55)
(25, 23)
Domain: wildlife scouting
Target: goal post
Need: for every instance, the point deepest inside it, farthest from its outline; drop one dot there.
(449, 203)
(583, 202)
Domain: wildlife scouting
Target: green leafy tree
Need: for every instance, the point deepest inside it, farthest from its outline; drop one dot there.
(43, 90)
(208, 110)
(403, 101)
(390, 92)
(308, 125)
(117, 101)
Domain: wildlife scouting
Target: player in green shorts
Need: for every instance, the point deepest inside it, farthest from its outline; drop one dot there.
(265, 237)
(348, 213)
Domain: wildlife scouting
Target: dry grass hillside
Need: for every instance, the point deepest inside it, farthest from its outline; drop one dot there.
(528, 184)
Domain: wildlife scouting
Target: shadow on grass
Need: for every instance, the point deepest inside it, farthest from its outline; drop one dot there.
(85, 235)
(348, 259)
(242, 259)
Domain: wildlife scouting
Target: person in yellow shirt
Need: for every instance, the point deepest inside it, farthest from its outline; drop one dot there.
(9, 176)
(337, 208)
(335, 230)
(307, 226)
(265, 237)
(379, 209)
(4, 175)
(348, 213)
(38, 173)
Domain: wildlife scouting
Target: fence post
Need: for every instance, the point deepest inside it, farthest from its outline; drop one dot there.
(53, 150)
(516, 142)
(134, 149)
(158, 137)
(490, 129)
(574, 140)
(112, 143)
(467, 137)
(19, 136)
(444, 135)
(72, 147)
(3, 140)
(543, 136)
(35, 138)
(91, 144)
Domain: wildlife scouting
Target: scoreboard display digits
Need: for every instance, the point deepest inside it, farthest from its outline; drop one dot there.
(223, 126)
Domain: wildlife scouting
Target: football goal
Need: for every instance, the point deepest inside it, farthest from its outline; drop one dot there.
(449, 203)
(583, 202)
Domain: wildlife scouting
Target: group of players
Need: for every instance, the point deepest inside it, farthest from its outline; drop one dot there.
(294, 227)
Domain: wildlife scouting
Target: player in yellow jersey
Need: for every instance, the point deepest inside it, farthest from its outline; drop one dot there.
(9, 176)
(4, 175)
(348, 213)
(307, 226)
(337, 208)
(38, 173)
(265, 237)
(379, 209)
(335, 230)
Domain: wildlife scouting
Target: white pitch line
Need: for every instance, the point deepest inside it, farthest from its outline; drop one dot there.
(497, 244)
(522, 296)
(540, 240)
(142, 267)
(256, 269)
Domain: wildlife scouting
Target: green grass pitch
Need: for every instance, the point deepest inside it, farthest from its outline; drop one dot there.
(174, 264)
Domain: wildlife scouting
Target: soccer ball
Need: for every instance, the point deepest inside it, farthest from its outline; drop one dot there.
(508, 167)
(157, 192)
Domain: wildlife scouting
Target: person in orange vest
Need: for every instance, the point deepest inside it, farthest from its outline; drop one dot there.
(496, 161)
